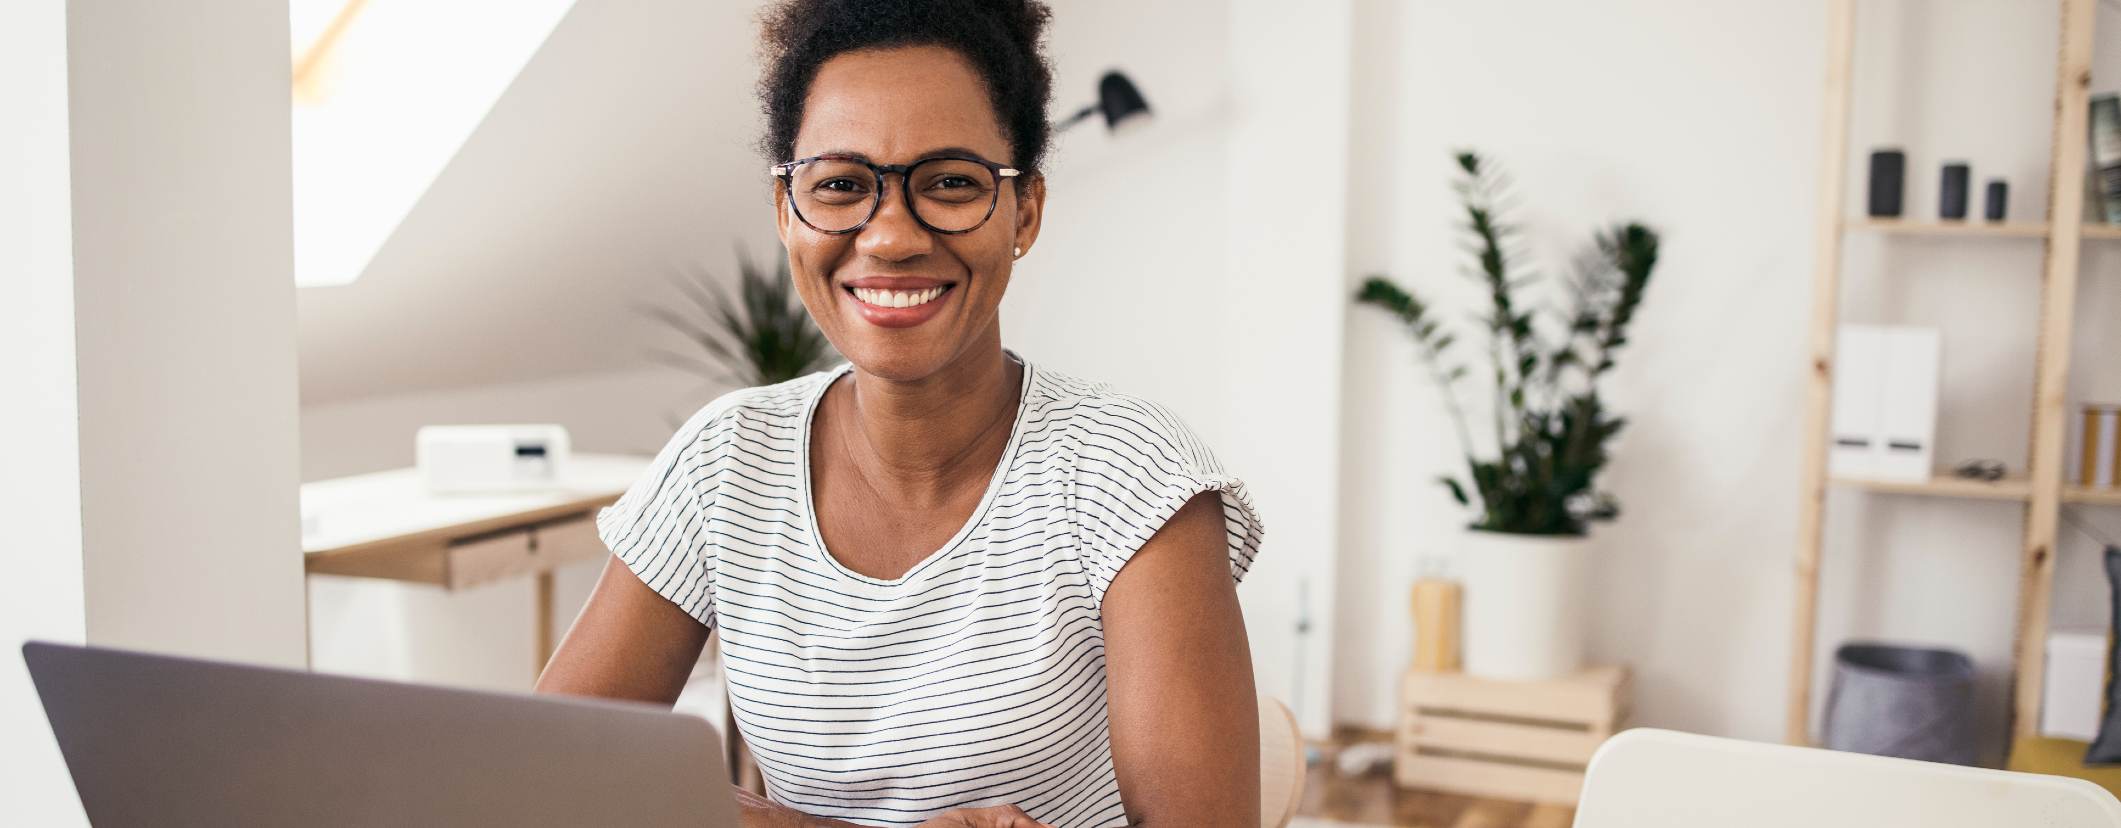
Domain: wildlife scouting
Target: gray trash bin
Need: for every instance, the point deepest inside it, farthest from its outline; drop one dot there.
(1908, 702)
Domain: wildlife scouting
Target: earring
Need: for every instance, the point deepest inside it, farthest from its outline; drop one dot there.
(1019, 252)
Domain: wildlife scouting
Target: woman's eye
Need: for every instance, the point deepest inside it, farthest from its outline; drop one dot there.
(952, 182)
(842, 185)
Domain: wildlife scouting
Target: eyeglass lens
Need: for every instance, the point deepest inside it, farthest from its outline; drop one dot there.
(949, 195)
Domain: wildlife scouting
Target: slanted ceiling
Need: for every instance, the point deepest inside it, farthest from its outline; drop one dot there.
(621, 153)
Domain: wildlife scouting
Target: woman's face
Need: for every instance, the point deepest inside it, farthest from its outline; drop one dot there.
(897, 106)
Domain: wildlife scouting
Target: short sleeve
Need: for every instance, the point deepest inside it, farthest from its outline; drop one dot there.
(1136, 465)
(658, 526)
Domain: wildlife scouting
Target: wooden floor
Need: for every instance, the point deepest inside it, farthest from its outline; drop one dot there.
(1372, 799)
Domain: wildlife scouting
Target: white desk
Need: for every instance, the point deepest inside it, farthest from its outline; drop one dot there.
(386, 525)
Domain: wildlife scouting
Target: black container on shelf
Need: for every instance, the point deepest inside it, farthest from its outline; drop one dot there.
(1952, 192)
(1888, 181)
(1997, 205)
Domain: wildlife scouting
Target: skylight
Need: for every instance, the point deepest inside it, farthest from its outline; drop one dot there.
(385, 93)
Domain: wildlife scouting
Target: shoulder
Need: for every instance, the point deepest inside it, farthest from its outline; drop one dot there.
(1109, 422)
(1137, 464)
(750, 415)
(1127, 429)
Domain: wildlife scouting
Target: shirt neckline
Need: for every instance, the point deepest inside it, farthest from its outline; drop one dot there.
(979, 512)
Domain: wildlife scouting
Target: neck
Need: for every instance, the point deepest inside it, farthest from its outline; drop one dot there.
(924, 439)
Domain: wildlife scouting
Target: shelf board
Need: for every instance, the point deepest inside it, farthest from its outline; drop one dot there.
(2009, 488)
(1945, 485)
(1976, 228)
(2084, 494)
(2009, 229)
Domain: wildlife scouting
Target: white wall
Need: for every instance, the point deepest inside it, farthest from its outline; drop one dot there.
(40, 485)
(1175, 265)
(617, 412)
(1702, 119)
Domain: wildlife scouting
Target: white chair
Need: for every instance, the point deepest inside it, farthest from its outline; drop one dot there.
(1281, 763)
(1646, 778)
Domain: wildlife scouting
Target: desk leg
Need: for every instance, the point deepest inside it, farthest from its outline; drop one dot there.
(544, 622)
(309, 629)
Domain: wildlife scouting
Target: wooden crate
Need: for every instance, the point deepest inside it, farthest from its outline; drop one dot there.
(1526, 741)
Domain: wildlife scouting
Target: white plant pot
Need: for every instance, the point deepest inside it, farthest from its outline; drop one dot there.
(1526, 604)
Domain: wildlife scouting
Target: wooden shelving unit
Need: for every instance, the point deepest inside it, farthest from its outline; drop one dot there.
(2041, 489)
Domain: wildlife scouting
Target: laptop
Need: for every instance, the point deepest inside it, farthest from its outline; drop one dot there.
(165, 741)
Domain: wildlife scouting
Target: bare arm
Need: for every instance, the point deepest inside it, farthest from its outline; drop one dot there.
(628, 643)
(1184, 715)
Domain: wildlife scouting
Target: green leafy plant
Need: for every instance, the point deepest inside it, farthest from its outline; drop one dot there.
(1551, 428)
(761, 336)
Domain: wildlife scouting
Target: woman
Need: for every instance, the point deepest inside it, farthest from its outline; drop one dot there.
(953, 588)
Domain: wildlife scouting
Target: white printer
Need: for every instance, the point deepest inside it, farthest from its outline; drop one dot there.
(466, 459)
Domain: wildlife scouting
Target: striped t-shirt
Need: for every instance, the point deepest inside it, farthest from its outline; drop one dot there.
(977, 678)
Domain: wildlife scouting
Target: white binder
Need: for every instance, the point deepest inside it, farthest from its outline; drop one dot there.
(1907, 412)
(1885, 403)
(1859, 361)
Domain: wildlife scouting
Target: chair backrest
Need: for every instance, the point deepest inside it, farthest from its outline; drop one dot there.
(1281, 764)
(1646, 778)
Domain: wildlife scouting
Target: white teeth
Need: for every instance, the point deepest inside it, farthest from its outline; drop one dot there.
(898, 298)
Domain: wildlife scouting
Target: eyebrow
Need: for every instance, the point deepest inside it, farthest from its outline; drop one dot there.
(938, 151)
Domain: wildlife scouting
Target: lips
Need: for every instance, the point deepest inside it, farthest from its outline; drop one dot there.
(898, 301)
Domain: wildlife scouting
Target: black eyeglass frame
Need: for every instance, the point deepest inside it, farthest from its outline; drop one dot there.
(785, 171)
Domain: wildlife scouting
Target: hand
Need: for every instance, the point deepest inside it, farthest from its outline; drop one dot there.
(998, 816)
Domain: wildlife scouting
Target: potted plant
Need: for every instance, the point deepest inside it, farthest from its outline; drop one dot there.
(1535, 496)
(762, 337)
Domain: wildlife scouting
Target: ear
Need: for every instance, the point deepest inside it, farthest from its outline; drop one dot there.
(1030, 210)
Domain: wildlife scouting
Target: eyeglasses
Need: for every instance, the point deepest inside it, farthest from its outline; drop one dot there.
(840, 194)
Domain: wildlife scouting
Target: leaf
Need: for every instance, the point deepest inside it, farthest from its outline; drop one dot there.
(1457, 492)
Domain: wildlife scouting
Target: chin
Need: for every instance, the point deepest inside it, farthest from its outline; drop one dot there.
(901, 358)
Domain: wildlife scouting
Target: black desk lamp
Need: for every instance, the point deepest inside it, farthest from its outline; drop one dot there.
(1117, 98)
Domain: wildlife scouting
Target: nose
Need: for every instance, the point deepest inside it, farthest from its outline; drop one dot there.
(892, 234)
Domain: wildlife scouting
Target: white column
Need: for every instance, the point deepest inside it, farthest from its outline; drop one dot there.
(185, 327)
(1285, 305)
(40, 504)
(147, 348)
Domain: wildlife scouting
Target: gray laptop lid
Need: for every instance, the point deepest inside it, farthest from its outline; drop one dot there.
(158, 740)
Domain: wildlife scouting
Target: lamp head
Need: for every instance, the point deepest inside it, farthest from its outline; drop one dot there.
(1119, 100)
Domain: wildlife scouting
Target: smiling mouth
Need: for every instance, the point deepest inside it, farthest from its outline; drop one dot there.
(883, 298)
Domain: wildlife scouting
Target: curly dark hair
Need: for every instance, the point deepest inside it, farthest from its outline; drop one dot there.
(1000, 38)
